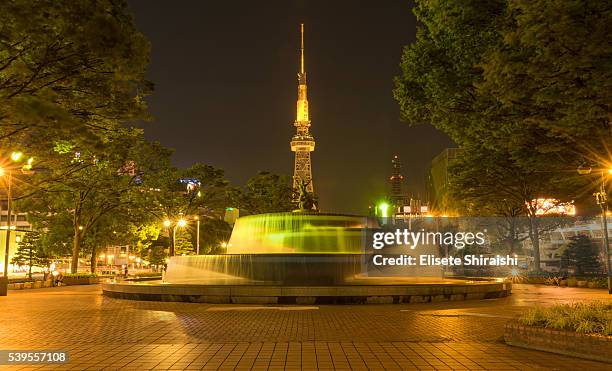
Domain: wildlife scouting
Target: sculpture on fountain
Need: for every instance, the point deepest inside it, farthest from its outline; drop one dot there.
(306, 200)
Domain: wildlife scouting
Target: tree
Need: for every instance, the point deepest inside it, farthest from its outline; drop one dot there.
(71, 74)
(200, 190)
(581, 255)
(553, 70)
(213, 232)
(109, 182)
(29, 252)
(183, 244)
(490, 183)
(69, 70)
(454, 77)
(158, 251)
(440, 70)
(265, 193)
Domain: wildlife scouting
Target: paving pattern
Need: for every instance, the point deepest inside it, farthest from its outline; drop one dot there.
(114, 334)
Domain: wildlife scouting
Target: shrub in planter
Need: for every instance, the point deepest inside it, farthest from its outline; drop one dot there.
(587, 318)
(581, 283)
(572, 282)
(80, 279)
(600, 282)
(80, 275)
(563, 283)
(148, 274)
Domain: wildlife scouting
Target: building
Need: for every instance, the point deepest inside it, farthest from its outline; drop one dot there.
(19, 226)
(398, 205)
(439, 199)
(403, 205)
(302, 143)
(553, 244)
(397, 197)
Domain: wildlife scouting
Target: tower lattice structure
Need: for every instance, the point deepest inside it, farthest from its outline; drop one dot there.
(302, 143)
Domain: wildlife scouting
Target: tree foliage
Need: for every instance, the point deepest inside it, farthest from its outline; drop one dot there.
(213, 232)
(30, 252)
(521, 88)
(265, 193)
(581, 255)
(104, 192)
(69, 70)
(183, 244)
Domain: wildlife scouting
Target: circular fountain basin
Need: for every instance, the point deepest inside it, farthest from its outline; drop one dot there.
(363, 291)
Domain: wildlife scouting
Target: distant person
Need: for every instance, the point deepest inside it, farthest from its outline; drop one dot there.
(125, 272)
(58, 279)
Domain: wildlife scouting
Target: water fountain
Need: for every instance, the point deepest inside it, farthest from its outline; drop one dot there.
(299, 248)
(302, 257)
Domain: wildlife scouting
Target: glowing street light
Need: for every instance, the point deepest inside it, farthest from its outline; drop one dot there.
(15, 157)
(179, 223)
(601, 198)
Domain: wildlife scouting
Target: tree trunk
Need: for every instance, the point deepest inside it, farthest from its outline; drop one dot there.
(534, 235)
(30, 266)
(171, 250)
(76, 250)
(94, 259)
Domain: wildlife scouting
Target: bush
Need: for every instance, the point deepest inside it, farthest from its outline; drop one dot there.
(557, 280)
(80, 275)
(586, 318)
(148, 274)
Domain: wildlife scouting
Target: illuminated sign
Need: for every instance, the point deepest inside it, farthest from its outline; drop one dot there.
(552, 206)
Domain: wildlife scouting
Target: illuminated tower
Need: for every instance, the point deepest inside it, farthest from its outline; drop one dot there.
(302, 143)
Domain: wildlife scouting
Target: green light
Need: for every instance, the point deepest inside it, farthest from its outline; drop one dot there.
(384, 208)
(229, 208)
(16, 156)
(28, 165)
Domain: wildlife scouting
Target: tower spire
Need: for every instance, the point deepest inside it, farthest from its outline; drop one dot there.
(302, 43)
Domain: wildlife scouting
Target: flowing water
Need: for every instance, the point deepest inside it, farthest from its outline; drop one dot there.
(289, 249)
(299, 233)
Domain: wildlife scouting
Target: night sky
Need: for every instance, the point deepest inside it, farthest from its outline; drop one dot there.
(226, 89)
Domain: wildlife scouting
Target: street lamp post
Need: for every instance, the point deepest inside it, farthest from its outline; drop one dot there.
(179, 223)
(4, 288)
(197, 218)
(15, 157)
(602, 200)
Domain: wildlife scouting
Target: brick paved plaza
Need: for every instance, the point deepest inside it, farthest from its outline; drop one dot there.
(104, 333)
